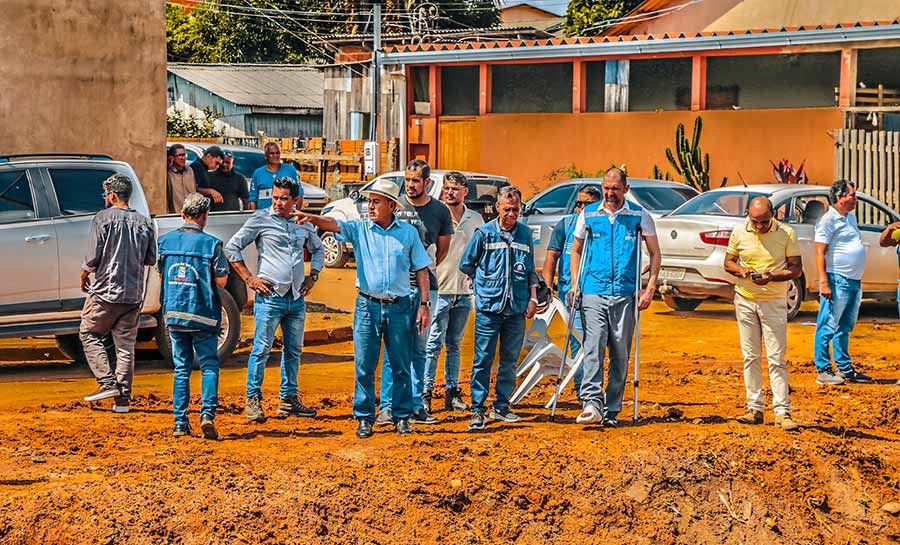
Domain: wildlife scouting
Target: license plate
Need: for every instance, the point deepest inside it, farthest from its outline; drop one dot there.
(671, 274)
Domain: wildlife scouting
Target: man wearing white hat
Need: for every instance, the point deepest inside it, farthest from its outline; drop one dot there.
(386, 251)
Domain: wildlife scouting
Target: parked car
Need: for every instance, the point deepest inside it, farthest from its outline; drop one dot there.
(482, 197)
(543, 211)
(47, 203)
(694, 237)
(246, 160)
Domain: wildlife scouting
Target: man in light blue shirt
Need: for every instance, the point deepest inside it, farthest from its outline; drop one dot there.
(280, 285)
(840, 261)
(386, 251)
(263, 178)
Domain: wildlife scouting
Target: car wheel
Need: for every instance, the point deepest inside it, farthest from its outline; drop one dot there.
(680, 303)
(70, 346)
(795, 296)
(229, 334)
(336, 256)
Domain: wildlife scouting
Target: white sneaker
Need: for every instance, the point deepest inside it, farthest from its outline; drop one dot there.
(590, 415)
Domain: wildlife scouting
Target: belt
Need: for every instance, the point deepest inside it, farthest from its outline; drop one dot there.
(382, 300)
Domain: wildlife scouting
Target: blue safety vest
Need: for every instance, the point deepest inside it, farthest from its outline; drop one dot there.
(612, 257)
(189, 295)
(563, 270)
(505, 263)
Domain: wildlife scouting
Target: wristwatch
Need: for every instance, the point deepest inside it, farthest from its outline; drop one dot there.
(426, 303)
(314, 276)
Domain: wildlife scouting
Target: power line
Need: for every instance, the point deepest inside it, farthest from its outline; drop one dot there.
(641, 17)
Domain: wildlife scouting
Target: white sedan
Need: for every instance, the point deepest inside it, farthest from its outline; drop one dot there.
(694, 237)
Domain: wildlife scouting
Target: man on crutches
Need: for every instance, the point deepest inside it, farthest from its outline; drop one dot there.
(610, 289)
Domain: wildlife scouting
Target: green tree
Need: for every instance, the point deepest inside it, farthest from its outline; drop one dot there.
(585, 17)
(180, 125)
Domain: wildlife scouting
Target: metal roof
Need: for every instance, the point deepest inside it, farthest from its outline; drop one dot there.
(555, 7)
(264, 85)
(642, 44)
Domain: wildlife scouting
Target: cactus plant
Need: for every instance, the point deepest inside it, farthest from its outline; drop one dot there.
(688, 160)
(659, 175)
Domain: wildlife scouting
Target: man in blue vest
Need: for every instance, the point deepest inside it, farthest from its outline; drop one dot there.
(557, 263)
(192, 263)
(615, 227)
(500, 261)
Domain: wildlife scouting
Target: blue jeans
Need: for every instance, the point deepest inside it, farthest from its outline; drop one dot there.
(448, 322)
(417, 360)
(184, 345)
(490, 327)
(270, 311)
(372, 322)
(837, 318)
(574, 345)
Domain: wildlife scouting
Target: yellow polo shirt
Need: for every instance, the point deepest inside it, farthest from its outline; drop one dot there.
(766, 252)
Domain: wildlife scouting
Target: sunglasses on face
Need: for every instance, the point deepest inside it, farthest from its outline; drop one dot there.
(580, 204)
(180, 155)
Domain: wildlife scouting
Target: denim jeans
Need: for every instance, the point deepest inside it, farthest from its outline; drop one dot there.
(270, 311)
(490, 327)
(837, 318)
(372, 322)
(184, 345)
(417, 359)
(574, 345)
(448, 323)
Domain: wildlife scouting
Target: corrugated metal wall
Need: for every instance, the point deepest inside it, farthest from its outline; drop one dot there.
(283, 125)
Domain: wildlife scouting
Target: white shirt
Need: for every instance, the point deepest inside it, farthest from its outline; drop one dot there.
(648, 226)
(452, 281)
(846, 254)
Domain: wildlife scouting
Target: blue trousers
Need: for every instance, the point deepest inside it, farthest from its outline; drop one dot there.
(417, 359)
(837, 318)
(270, 311)
(372, 323)
(448, 323)
(184, 345)
(509, 330)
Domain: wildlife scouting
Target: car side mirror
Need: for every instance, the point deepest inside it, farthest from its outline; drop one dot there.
(527, 210)
(355, 195)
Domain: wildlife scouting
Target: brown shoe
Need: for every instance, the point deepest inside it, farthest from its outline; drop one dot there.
(785, 422)
(751, 417)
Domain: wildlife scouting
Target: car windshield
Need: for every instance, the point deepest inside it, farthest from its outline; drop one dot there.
(662, 199)
(245, 162)
(718, 203)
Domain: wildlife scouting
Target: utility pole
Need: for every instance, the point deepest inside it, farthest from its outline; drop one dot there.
(376, 73)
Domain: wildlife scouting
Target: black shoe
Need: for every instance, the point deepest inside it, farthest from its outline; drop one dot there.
(611, 420)
(503, 415)
(182, 430)
(403, 427)
(121, 404)
(292, 406)
(364, 429)
(423, 417)
(426, 400)
(478, 422)
(453, 400)
(385, 417)
(103, 391)
(856, 376)
(208, 427)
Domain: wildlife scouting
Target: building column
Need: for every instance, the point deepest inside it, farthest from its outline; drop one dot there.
(484, 89)
(579, 82)
(847, 89)
(698, 83)
(434, 88)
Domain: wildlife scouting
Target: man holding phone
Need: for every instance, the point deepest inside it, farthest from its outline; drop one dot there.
(764, 256)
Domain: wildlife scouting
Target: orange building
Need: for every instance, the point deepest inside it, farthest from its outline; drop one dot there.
(524, 108)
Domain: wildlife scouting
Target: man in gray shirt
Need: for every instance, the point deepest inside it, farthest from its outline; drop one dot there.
(122, 244)
(280, 285)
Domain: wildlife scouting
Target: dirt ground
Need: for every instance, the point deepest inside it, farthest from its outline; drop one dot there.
(73, 472)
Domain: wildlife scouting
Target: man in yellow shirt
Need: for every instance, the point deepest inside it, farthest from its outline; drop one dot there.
(764, 256)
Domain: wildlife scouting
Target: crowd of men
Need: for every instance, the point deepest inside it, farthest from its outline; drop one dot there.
(422, 266)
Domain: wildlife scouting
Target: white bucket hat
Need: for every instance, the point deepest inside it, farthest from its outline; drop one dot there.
(385, 188)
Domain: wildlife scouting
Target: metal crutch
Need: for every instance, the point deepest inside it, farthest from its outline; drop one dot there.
(637, 323)
(576, 303)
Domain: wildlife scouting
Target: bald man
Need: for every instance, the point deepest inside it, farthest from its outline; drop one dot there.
(764, 256)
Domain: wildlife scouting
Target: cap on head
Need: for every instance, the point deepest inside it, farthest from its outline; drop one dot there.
(384, 188)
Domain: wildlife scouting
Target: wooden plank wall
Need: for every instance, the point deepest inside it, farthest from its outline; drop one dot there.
(870, 159)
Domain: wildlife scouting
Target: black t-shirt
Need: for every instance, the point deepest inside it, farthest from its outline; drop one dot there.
(431, 220)
(201, 173)
(233, 188)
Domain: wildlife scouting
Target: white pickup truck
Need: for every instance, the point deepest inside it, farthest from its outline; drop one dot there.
(47, 203)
